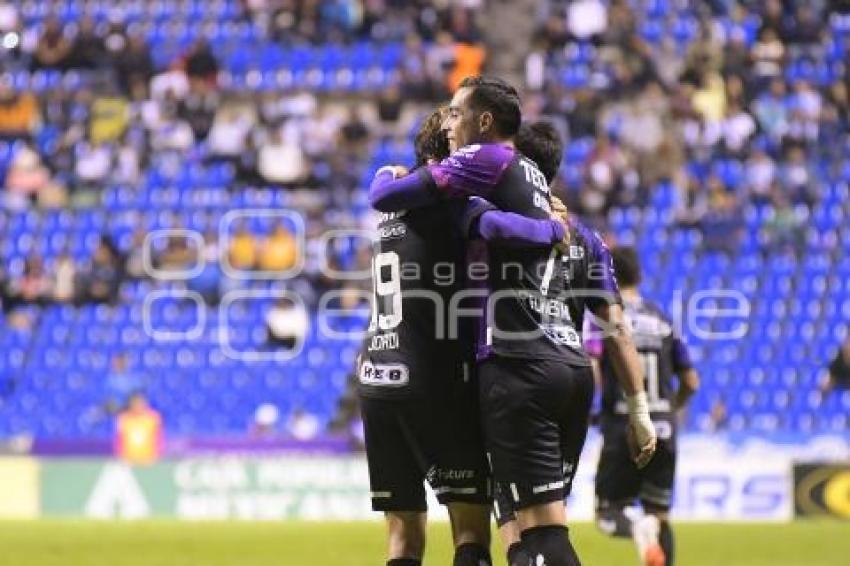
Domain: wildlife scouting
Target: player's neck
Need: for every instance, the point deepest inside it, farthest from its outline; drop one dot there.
(630, 294)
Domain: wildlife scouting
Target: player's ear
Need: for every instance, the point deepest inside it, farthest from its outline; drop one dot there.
(485, 122)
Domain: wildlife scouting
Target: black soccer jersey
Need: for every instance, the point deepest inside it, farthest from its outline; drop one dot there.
(417, 266)
(663, 355)
(535, 297)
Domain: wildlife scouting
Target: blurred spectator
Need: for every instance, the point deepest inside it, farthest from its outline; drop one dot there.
(208, 282)
(279, 251)
(721, 224)
(772, 111)
(718, 416)
(33, 286)
(133, 64)
(231, 127)
(806, 28)
(93, 163)
(139, 433)
(115, 39)
(198, 110)
(266, 418)
(587, 19)
(303, 426)
(87, 48)
(760, 174)
(53, 50)
(110, 116)
(838, 372)
(738, 128)
(279, 161)
(354, 133)
(768, 55)
(121, 384)
(785, 230)
(172, 133)
(797, 179)
(19, 113)
(286, 324)
(100, 282)
(178, 254)
(201, 64)
(242, 253)
(608, 172)
(65, 279)
(27, 177)
(134, 266)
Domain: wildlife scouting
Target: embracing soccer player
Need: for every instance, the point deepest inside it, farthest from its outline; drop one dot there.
(418, 402)
(535, 378)
(618, 481)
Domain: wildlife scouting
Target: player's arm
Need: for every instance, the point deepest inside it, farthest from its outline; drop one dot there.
(688, 376)
(481, 219)
(619, 347)
(470, 171)
(624, 359)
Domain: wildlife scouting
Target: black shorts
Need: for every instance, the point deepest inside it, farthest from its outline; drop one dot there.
(435, 439)
(535, 417)
(619, 481)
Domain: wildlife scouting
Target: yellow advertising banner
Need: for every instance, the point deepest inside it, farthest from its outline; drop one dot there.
(19, 488)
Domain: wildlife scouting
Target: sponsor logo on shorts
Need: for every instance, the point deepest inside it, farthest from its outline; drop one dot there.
(547, 487)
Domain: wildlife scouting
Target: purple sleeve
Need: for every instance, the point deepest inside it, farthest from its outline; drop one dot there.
(600, 268)
(514, 229)
(472, 170)
(388, 194)
(681, 358)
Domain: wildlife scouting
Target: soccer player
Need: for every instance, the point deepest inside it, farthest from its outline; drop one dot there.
(418, 404)
(536, 384)
(618, 481)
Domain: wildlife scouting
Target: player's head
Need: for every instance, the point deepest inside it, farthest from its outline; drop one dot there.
(541, 142)
(431, 142)
(626, 266)
(484, 109)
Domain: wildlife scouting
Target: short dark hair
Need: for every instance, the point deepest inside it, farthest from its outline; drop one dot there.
(541, 142)
(431, 141)
(626, 266)
(494, 95)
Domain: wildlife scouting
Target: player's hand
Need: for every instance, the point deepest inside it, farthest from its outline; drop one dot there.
(641, 434)
(560, 214)
(399, 171)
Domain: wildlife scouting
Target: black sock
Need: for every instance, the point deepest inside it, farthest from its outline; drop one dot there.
(517, 556)
(613, 522)
(472, 554)
(552, 542)
(404, 562)
(665, 539)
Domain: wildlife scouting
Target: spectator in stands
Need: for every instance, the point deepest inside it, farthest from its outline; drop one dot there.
(783, 232)
(738, 127)
(797, 179)
(101, 281)
(198, 110)
(721, 223)
(265, 422)
(87, 49)
(202, 65)
(33, 287)
(242, 253)
(231, 128)
(172, 133)
(53, 50)
(286, 324)
(180, 254)
(838, 373)
(64, 287)
(133, 64)
(134, 266)
(208, 282)
(760, 175)
(771, 109)
(608, 172)
(93, 164)
(279, 161)
(139, 432)
(279, 251)
(19, 113)
(121, 383)
(115, 39)
(768, 55)
(27, 177)
(303, 425)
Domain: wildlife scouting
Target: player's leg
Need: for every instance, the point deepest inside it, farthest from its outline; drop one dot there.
(656, 496)
(452, 438)
(509, 533)
(395, 480)
(520, 399)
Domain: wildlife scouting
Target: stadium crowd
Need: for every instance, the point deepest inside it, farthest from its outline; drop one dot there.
(746, 103)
